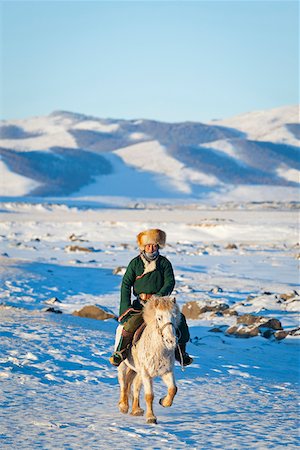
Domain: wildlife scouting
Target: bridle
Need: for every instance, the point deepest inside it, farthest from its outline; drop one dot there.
(161, 329)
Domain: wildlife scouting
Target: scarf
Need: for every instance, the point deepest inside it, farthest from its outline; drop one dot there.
(149, 266)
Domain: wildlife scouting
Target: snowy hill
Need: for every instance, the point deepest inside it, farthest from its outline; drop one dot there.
(73, 155)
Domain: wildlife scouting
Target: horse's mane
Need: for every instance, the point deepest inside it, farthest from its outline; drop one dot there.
(160, 303)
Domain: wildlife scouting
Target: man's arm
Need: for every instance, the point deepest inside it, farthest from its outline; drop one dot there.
(168, 276)
(127, 283)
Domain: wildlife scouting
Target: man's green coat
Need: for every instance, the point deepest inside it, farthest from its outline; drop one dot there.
(161, 281)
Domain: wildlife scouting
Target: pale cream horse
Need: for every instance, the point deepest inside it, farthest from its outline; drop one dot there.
(152, 356)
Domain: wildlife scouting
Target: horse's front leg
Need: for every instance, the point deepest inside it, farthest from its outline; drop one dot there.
(136, 409)
(149, 396)
(169, 380)
(125, 377)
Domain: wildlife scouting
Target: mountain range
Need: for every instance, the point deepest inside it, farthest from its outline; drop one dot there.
(73, 155)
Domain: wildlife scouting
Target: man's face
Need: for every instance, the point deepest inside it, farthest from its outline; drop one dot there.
(151, 248)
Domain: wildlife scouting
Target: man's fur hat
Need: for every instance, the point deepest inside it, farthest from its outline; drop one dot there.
(153, 236)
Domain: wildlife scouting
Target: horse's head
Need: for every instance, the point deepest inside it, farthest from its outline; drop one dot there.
(165, 313)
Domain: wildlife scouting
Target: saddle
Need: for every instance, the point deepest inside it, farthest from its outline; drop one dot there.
(138, 333)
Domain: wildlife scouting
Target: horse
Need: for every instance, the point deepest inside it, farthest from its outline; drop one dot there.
(153, 355)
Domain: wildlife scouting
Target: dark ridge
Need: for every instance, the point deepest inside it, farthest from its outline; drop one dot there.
(187, 133)
(60, 172)
(71, 115)
(294, 128)
(97, 141)
(15, 132)
(225, 168)
(266, 155)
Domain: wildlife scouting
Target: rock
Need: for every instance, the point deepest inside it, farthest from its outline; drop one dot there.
(120, 270)
(274, 324)
(249, 325)
(288, 296)
(185, 288)
(52, 301)
(295, 332)
(243, 332)
(229, 312)
(216, 289)
(53, 310)
(194, 309)
(74, 238)
(267, 333)
(94, 312)
(216, 330)
(259, 321)
(248, 319)
(281, 334)
(231, 247)
(77, 248)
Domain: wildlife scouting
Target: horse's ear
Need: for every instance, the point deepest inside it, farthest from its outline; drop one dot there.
(156, 301)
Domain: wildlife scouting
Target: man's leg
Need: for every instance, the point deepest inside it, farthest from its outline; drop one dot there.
(129, 327)
(184, 336)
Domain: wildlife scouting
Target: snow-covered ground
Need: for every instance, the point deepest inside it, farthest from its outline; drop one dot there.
(57, 387)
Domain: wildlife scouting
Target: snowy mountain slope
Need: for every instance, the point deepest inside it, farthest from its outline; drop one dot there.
(279, 125)
(67, 153)
(152, 156)
(14, 183)
(58, 171)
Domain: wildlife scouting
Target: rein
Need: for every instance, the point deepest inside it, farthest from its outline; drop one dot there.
(164, 326)
(161, 329)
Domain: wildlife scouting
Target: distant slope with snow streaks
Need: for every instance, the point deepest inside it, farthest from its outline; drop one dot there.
(69, 154)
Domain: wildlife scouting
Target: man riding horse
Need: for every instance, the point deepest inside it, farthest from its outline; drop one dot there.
(147, 274)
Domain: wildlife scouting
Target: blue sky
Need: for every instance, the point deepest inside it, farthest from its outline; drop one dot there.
(164, 60)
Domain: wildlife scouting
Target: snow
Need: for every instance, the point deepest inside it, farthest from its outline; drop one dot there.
(223, 145)
(151, 156)
(259, 193)
(230, 244)
(124, 179)
(266, 125)
(138, 136)
(97, 125)
(57, 387)
(48, 131)
(289, 174)
(12, 184)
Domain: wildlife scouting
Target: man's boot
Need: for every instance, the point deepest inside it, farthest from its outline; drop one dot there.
(182, 356)
(122, 350)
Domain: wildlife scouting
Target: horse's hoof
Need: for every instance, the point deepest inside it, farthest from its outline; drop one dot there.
(123, 409)
(152, 420)
(137, 412)
(163, 403)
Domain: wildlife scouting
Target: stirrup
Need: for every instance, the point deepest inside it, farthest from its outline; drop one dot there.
(187, 359)
(116, 358)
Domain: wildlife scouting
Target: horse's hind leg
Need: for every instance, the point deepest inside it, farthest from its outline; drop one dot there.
(169, 380)
(125, 377)
(136, 409)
